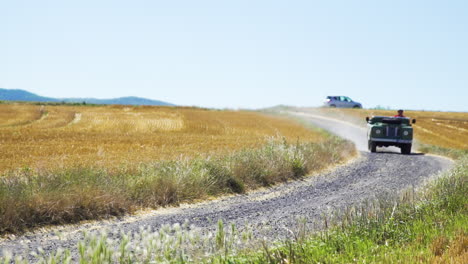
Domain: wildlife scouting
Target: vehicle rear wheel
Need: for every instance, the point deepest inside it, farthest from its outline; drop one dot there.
(372, 146)
(406, 149)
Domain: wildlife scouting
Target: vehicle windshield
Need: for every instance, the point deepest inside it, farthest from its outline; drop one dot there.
(396, 121)
(390, 120)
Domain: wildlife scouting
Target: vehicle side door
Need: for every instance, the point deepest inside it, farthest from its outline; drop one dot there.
(349, 103)
(343, 102)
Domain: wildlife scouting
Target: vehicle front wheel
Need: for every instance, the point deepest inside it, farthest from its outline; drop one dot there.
(406, 149)
(372, 146)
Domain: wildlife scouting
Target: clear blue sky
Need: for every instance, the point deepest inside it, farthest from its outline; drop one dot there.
(240, 54)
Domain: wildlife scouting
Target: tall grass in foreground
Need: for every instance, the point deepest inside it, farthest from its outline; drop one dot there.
(31, 198)
(179, 243)
(430, 227)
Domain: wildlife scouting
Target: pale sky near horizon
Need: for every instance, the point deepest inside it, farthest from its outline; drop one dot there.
(240, 54)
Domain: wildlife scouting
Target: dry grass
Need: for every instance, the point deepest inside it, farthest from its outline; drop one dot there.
(443, 129)
(47, 137)
(446, 251)
(455, 251)
(17, 115)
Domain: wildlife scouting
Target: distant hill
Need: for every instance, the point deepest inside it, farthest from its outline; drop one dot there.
(25, 96)
(21, 95)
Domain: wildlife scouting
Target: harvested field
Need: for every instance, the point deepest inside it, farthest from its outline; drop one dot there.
(47, 137)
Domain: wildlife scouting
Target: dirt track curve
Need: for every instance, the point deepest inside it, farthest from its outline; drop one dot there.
(272, 211)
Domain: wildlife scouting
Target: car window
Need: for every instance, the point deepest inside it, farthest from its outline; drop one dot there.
(348, 99)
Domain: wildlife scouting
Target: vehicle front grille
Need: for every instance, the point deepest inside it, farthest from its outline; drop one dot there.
(392, 132)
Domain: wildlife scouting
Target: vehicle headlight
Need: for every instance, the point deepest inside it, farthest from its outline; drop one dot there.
(378, 131)
(405, 133)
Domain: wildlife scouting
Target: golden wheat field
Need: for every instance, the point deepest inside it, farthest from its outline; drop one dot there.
(45, 137)
(444, 129)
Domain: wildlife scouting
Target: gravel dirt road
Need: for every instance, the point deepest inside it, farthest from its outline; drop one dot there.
(271, 212)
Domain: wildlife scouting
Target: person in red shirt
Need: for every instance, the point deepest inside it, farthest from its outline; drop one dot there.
(400, 113)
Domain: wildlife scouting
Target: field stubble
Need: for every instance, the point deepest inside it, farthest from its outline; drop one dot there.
(47, 137)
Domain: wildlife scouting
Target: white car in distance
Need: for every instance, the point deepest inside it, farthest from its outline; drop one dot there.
(341, 101)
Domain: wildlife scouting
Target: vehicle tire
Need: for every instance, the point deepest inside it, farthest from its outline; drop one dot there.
(356, 106)
(333, 106)
(372, 146)
(403, 149)
(406, 149)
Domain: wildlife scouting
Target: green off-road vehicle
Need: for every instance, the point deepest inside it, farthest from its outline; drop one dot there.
(384, 131)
